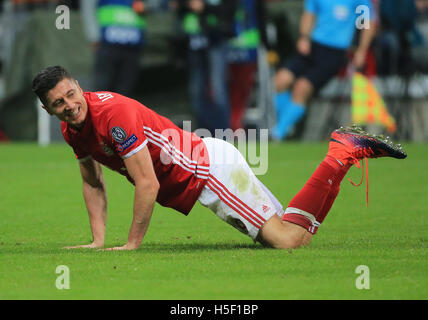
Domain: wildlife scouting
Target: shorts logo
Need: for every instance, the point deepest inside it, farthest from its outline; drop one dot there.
(118, 134)
(125, 145)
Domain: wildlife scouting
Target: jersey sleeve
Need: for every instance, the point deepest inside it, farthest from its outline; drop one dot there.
(80, 154)
(125, 131)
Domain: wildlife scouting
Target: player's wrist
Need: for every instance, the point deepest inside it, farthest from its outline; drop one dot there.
(361, 50)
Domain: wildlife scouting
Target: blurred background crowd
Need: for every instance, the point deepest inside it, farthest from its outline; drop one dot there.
(285, 65)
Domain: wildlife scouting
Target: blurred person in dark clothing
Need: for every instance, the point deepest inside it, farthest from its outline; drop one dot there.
(397, 25)
(118, 40)
(208, 25)
(250, 30)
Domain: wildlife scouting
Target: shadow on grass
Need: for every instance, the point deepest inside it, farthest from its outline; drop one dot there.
(158, 247)
(149, 247)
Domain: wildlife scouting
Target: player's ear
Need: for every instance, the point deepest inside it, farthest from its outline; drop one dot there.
(78, 86)
(47, 109)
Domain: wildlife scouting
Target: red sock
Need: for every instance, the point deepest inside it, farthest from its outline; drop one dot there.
(315, 199)
(328, 203)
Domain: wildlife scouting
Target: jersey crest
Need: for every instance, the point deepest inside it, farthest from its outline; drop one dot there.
(118, 134)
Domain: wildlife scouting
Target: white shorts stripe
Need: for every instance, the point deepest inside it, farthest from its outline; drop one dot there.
(238, 201)
(233, 205)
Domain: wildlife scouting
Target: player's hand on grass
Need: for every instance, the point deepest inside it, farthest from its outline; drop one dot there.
(127, 246)
(92, 245)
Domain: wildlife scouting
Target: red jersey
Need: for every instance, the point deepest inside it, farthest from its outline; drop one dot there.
(116, 127)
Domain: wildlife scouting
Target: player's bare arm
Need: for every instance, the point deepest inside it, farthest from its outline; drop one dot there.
(366, 38)
(305, 29)
(94, 193)
(140, 167)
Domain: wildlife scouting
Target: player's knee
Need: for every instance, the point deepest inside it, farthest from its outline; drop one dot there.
(307, 238)
(302, 90)
(289, 242)
(283, 80)
(281, 235)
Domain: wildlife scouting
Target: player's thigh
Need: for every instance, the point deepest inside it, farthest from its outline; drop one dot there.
(283, 79)
(302, 90)
(234, 193)
(293, 68)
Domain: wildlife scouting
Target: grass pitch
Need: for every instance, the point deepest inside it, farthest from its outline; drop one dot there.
(201, 257)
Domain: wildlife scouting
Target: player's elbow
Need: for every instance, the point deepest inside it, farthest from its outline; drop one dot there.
(96, 184)
(148, 185)
(155, 186)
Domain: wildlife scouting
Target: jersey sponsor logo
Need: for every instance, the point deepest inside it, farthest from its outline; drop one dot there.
(118, 134)
(126, 144)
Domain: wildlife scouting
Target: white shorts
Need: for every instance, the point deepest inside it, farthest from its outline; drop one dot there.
(234, 193)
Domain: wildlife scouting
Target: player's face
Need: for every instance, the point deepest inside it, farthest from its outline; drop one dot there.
(67, 103)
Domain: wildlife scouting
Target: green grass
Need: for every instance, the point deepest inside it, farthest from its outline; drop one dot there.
(201, 257)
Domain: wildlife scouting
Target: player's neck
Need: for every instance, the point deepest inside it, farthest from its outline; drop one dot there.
(78, 127)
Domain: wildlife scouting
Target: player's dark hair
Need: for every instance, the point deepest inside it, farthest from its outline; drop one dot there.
(47, 79)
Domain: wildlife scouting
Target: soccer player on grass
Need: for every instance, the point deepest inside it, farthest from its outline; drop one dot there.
(176, 168)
